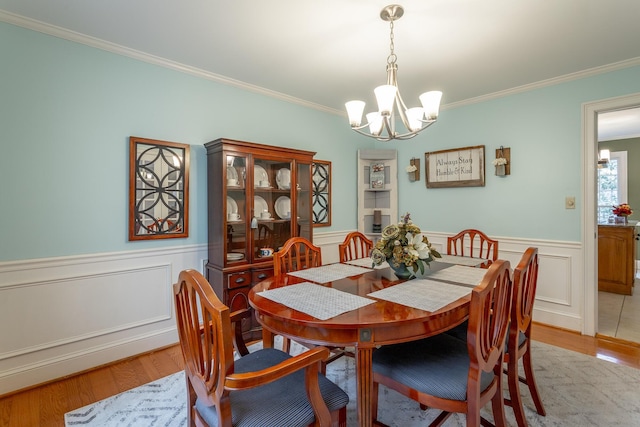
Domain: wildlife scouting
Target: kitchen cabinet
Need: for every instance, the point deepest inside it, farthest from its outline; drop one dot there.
(259, 196)
(616, 258)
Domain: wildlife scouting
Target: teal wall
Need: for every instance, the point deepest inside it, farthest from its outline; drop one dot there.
(67, 111)
(543, 128)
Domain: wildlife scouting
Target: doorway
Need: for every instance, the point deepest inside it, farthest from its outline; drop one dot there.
(589, 155)
(618, 314)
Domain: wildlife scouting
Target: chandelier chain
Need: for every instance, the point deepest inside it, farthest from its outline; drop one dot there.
(391, 59)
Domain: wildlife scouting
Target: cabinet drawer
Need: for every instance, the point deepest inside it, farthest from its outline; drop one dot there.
(260, 275)
(237, 280)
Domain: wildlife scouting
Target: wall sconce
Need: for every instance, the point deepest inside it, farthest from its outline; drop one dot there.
(604, 156)
(414, 169)
(503, 161)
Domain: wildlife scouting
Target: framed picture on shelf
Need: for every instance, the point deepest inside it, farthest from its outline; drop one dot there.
(376, 177)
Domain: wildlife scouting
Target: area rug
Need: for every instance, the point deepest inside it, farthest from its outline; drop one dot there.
(576, 389)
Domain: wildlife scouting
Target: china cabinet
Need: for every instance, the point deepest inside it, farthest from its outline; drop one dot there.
(377, 191)
(259, 196)
(616, 258)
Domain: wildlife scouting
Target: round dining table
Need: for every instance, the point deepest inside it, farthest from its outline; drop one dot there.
(377, 324)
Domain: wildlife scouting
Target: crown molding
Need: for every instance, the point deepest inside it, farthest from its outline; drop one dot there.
(548, 82)
(84, 39)
(73, 36)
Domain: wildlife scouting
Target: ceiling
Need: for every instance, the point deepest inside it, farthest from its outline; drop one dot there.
(330, 51)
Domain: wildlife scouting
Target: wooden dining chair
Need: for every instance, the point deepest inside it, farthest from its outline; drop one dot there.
(355, 246)
(473, 243)
(446, 373)
(266, 387)
(525, 279)
(297, 253)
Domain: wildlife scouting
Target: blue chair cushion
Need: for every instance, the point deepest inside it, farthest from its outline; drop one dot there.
(280, 403)
(460, 332)
(437, 366)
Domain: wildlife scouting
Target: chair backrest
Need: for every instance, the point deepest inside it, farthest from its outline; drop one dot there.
(479, 244)
(489, 318)
(297, 253)
(525, 279)
(207, 351)
(356, 245)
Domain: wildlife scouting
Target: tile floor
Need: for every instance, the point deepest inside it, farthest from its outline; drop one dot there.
(619, 315)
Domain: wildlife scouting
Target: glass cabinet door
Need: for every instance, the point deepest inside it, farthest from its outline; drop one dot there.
(272, 209)
(236, 210)
(304, 200)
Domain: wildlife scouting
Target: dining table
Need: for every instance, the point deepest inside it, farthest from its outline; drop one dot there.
(357, 306)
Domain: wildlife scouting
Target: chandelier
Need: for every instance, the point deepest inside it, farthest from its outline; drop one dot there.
(382, 123)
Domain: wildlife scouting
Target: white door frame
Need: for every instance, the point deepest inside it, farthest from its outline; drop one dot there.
(589, 156)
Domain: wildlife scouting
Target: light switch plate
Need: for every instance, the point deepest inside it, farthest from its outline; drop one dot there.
(569, 202)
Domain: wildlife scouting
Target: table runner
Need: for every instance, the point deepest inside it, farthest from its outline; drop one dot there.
(328, 273)
(460, 274)
(424, 294)
(461, 260)
(315, 300)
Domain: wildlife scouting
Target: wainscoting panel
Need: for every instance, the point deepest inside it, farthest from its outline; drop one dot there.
(105, 303)
(64, 315)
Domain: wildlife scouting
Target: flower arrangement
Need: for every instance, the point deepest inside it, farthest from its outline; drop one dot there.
(411, 168)
(499, 161)
(622, 210)
(403, 243)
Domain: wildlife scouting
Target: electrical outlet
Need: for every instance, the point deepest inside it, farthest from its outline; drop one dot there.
(569, 202)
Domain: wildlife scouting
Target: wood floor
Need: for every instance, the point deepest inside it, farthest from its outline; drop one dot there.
(45, 405)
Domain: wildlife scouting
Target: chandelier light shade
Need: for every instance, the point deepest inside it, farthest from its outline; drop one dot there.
(382, 123)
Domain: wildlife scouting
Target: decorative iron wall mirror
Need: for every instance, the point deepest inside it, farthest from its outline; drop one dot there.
(321, 193)
(158, 189)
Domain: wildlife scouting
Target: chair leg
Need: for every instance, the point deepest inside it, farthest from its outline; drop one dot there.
(515, 400)
(472, 415)
(442, 417)
(286, 344)
(497, 403)
(531, 382)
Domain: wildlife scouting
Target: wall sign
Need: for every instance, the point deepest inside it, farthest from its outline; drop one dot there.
(458, 167)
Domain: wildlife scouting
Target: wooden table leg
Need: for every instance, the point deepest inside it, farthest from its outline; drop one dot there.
(267, 338)
(364, 384)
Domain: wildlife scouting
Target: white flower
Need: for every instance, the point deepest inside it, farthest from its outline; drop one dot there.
(411, 168)
(417, 247)
(500, 161)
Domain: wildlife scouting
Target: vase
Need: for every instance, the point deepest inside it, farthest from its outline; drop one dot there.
(621, 219)
(401, 271)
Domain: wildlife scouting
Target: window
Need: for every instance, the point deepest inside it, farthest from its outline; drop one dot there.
(612, 185)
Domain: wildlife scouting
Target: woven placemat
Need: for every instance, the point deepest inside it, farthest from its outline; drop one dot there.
(315, 300)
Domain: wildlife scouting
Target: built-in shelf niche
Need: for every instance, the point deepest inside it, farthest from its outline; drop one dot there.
(371, 199)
